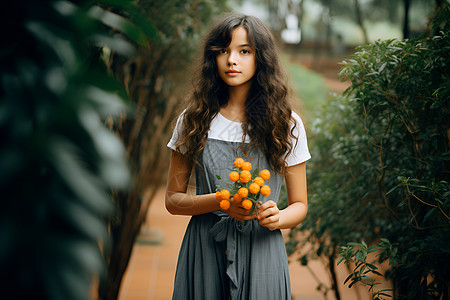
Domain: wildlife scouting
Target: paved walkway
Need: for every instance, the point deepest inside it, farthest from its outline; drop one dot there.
(151, 269)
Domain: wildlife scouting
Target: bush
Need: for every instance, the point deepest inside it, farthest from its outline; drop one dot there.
(57, 159)
(381, 162)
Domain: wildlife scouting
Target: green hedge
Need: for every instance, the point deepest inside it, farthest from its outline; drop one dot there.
(380, 166)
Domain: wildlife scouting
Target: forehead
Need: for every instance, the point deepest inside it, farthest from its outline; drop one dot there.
(239, 37)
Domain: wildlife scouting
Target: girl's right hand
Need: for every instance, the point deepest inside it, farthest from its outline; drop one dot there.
(238, 212)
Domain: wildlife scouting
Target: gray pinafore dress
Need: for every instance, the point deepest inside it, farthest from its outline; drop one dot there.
(221, 258)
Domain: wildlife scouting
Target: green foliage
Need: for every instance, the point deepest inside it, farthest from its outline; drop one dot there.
(380, 163)
(357, 253)
(57, 159)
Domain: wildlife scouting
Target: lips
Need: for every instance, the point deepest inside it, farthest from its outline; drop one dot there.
(232, 72)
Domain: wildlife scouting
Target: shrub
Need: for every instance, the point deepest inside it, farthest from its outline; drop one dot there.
(381, 162)
(58, 161)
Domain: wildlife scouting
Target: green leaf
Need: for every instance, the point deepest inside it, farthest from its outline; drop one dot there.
(377, 273)
(385, 240)
(361, 255)
(255, 173)
(348, 278)
(354, 244)
(118, 22)
(384, 294)
(352, 283)
(364, 243)
(372, 248)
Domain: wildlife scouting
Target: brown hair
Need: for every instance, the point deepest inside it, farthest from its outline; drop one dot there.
(267, 109)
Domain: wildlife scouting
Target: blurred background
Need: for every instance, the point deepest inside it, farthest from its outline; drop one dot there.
(90, 91)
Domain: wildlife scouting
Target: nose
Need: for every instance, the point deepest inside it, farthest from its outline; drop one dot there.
(232, 59)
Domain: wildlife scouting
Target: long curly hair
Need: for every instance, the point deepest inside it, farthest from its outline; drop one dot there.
(267, 109)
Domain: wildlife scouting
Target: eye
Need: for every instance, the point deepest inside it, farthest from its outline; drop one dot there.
(245, 51)
(223, 51)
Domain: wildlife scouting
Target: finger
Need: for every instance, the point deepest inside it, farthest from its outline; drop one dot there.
(244, 217)
(240, 213)
(244, 210)
(249, 217)
(272, 228)
(268, 221)
(267, 205)
(268, 212)
(239, 209)
(264, 209)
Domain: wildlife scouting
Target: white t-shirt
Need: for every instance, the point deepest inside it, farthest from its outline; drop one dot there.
(226, 130)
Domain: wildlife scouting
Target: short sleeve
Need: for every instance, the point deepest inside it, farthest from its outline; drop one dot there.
(177, 133)
(300, 152)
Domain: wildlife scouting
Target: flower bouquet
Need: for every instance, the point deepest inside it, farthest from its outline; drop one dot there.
(245, 188)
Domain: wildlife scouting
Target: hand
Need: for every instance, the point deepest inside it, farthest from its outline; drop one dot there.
(269, 215)
(238, 212)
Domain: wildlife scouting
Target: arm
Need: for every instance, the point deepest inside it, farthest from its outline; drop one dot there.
(178, 202)
(269, 215)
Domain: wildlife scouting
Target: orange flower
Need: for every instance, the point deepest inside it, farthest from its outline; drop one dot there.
(237, 198)
(225, 204)
(238, 162)
(246, 166)
(265, 190)
(245, 176)
(234, 176)
(265, 174)
(247, 204)
(243, 192)
(254, 188)
(259, 181)
(225, 194)
(249, 187)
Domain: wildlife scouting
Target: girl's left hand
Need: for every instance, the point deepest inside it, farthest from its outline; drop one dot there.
(269, 215)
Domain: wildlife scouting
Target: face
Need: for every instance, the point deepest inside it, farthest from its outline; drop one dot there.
(236, 64)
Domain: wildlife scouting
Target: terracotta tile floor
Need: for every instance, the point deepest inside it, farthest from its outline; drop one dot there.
(151, 270)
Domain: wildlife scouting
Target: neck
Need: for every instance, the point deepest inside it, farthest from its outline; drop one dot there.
(235, 107)
(238, 96)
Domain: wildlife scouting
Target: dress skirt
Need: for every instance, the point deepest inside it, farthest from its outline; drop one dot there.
(222, 258)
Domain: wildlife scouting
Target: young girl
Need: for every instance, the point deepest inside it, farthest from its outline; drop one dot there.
(238, 108)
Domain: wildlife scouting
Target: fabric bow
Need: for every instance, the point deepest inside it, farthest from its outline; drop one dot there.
(227, 229)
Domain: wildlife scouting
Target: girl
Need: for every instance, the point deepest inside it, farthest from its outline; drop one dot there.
(238, 108)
